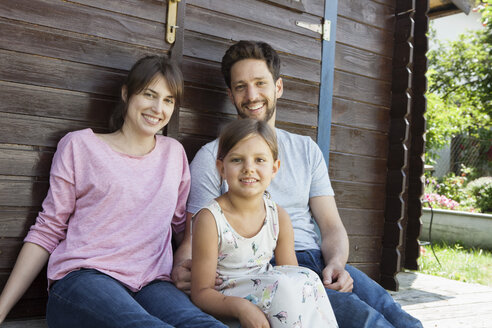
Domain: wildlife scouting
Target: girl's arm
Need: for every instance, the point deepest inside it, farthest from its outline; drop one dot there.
(30, 261)
(203, 293)
(284, 252)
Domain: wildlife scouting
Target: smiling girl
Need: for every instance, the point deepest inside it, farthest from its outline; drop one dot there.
(240, 231)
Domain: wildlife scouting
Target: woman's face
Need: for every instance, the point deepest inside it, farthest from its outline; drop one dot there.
(150, 110)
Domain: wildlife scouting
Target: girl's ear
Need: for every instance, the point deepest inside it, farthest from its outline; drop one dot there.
(124, 93)
(220, 167)
(276, 166)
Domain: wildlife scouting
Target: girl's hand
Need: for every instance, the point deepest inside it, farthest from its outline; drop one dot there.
(252, 317)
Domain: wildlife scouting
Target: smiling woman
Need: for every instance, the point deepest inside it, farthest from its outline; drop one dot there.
(106, 227)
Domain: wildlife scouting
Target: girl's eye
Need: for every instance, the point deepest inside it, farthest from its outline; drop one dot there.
(169, 101)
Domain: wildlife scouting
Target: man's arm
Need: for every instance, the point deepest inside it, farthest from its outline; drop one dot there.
(205, 186)
(334, 243)
(181, 273)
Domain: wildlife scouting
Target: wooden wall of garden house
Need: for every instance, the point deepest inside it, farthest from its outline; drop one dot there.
(62, 63)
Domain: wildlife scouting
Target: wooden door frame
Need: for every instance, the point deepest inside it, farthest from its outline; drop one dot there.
(326, 81)
(176, 54)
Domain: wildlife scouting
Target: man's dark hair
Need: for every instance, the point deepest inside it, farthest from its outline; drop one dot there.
(250, 50)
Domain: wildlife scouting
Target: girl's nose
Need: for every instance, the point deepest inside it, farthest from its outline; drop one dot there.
(247, 166)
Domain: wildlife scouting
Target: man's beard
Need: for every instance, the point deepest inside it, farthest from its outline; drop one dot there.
(268, 113)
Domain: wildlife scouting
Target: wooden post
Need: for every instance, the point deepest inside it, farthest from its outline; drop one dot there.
(417, 131)
(397, 177)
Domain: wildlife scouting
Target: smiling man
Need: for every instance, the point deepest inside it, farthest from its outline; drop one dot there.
(302, 187)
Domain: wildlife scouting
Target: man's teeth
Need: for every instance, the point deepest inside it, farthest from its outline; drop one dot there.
(258, 106)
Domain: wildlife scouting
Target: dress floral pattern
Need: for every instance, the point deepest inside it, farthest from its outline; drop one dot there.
(290, 296)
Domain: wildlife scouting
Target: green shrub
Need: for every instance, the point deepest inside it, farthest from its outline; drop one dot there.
(481, 190)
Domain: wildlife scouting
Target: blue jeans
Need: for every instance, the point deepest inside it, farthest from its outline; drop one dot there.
(89, 298)
(368, 305)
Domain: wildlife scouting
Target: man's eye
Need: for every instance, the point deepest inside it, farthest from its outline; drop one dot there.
(235, 160)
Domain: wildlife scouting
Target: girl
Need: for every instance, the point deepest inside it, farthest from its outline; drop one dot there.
(237, 234)
(115, 201)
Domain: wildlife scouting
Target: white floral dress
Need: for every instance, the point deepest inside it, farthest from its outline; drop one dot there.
(290, 296)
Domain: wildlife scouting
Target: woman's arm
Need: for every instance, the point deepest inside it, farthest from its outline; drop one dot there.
(30, 261)
(284, 252)
(203, 293)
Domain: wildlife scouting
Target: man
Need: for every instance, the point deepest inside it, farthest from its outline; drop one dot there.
(302, 187)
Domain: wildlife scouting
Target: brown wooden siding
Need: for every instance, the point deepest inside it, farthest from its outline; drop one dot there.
(61, 67)
(360, 124)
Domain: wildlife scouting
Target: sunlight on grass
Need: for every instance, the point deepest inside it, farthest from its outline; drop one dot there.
(458, 263)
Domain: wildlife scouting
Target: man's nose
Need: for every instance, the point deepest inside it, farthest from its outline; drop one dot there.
(252, 93)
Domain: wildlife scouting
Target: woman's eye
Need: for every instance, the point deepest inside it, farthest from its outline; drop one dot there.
(149, 95)
(169, 101)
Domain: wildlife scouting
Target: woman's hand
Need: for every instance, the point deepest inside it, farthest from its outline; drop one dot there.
(252, 317)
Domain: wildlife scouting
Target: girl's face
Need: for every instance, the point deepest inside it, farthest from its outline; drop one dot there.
(150, 110)
(248, 167)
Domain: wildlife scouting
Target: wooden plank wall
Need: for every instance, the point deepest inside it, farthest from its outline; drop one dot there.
(359, 141)
(362, 94)
(61, 67)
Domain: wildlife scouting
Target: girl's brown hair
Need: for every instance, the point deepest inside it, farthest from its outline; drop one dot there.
(239, 129)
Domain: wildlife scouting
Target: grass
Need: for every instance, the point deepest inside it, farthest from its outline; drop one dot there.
(470, 265)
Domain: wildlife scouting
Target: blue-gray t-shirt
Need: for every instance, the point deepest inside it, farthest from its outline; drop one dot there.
(303, 174)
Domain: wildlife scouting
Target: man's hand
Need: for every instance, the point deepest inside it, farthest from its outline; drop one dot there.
(181, 276)
(337, 278)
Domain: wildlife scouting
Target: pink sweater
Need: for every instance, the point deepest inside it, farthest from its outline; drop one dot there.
(113, 212)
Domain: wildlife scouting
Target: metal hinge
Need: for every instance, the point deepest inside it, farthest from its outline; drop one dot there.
(323, 29)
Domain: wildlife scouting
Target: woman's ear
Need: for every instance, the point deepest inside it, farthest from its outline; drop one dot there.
(124, 93)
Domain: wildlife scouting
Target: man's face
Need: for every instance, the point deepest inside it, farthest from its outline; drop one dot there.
(253, 90)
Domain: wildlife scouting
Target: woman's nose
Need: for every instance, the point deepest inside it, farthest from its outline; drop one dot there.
(157, 107)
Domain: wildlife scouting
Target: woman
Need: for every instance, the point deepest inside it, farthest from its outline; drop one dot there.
(115, 201)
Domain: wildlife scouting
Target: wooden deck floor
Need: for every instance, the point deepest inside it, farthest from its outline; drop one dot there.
(437, 302)
(444, 303)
